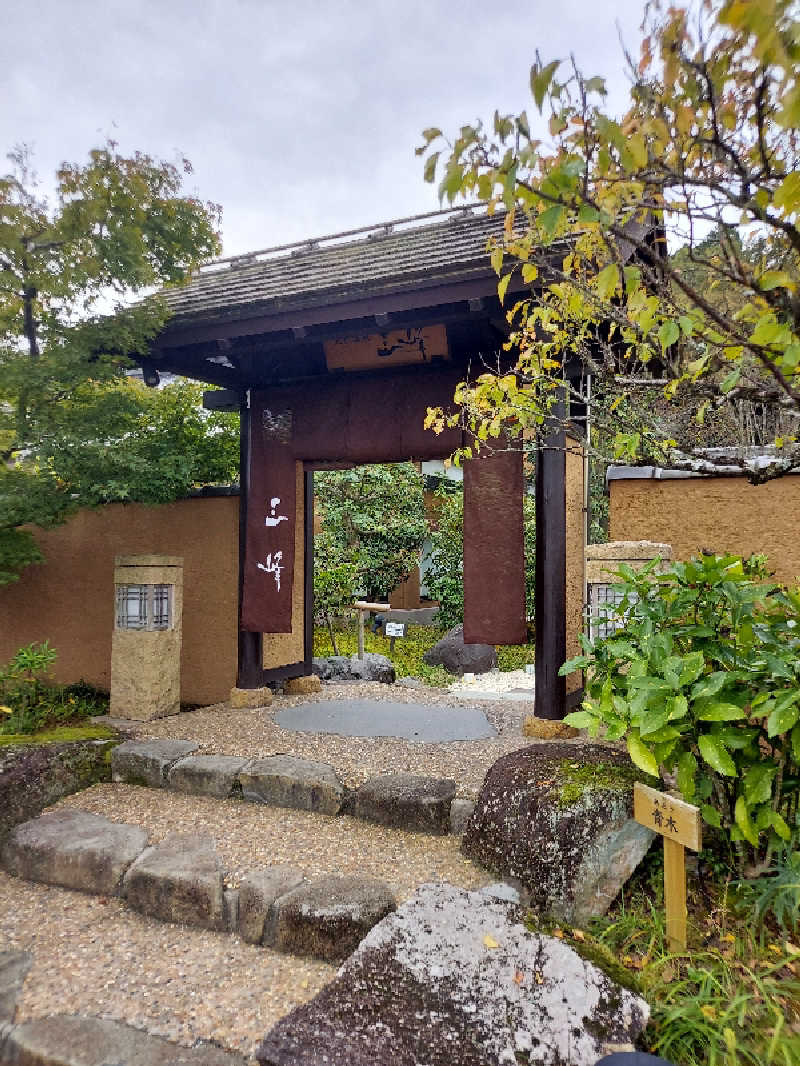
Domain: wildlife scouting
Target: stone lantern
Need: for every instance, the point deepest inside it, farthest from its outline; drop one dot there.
(146, 644)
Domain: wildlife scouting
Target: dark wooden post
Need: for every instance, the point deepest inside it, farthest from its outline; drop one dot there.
(308, 570)
(550, 609)
(250, 672)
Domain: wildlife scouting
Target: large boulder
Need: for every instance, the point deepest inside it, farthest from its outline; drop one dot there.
(372, 667)
(558, 819)
(459, 658)
(33, 776)
(74, 849)
(455, 976)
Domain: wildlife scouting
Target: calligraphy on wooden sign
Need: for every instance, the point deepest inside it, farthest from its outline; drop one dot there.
(398, 347)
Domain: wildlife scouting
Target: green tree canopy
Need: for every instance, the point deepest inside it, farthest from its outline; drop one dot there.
(709, 141)
(373, 526)
(75, 274)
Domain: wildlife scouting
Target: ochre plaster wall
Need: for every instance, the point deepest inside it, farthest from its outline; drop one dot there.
(719, 513)
(576, 545)
(283, 649)
(69, 600)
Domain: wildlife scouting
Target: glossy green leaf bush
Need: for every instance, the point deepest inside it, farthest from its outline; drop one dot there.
(702, 681)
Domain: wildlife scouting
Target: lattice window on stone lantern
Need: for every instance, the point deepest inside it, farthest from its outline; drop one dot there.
(144, 607)
(603, 601)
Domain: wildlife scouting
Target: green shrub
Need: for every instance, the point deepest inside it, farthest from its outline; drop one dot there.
(28, 702)
(702, 681)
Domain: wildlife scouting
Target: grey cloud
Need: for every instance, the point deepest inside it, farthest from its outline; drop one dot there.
(300, 118)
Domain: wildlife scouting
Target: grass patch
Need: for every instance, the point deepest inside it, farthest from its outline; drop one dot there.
(732, 999)
(60, 735)
(409, 650)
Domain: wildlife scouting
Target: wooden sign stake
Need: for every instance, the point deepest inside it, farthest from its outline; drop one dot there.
(679, 824)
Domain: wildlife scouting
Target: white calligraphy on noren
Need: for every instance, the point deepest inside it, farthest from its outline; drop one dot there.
(273, 564)
(272, 519)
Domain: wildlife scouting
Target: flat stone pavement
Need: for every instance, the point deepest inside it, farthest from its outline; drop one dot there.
(418, 722)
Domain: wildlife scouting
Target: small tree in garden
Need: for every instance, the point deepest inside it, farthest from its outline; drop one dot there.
(702, 681)
(593, 200)
(373, 526)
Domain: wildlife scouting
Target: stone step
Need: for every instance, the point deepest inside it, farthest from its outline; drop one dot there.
(73, 1040)
(404, 801)
(182, 880)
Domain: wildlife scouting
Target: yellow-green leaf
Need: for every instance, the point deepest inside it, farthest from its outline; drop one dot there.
(642, 756)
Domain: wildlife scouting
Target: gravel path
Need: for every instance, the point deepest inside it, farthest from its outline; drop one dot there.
(94, 956)
(223, 731)
(249, 835)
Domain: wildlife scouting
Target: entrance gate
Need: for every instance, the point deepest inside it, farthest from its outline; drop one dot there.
(333, 354)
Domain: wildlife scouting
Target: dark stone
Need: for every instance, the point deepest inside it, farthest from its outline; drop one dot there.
(36, 776)
(74, 849)
(286, 781)
(372, 667)
(406, 801)
(14, 966)
(455, 977)
(179, 880)
(459, 658)
(71, 1040)
(258, 891)
(328, 917)
(557, 818)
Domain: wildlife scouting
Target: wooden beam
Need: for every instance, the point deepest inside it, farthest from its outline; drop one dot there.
(550, 607)
(250, 670)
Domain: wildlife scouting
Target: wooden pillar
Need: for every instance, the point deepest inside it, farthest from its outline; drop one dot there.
(551, 568)
(250, 670)
(308, 571)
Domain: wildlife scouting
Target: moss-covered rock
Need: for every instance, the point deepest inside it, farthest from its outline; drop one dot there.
(557, 818)
(37, 770)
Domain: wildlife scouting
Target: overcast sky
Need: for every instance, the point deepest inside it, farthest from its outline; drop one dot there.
(300, 117)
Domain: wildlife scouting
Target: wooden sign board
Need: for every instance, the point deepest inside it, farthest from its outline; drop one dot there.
(667, 815)
(399, 347)
(680, 826)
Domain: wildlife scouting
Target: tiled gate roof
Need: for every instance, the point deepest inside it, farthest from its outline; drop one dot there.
(390, 257)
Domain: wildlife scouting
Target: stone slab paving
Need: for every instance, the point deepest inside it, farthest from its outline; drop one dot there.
(206, 775)
(286, 781)
(74, 1040)
(137, 763)
(406, 801)
(416, 722)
